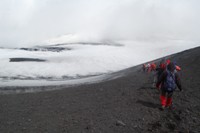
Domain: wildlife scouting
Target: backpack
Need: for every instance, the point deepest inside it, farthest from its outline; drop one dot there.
(162, 64)
(169, 83)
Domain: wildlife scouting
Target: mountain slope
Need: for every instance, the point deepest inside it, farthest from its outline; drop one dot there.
(125, 104)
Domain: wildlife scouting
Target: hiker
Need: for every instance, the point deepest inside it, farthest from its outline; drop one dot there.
(153, 66)
(162, 67)
(168, 80)
(148, 67)
(153, 69)
(167, 62)
(144, 67)
(159, 70)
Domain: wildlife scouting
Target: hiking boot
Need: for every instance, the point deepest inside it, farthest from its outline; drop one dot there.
(162, 108)
(171, 107)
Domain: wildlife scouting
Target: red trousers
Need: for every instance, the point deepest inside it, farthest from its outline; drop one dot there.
(166, 98)
(165, 101)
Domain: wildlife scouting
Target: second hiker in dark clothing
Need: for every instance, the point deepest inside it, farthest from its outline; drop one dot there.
(168, 80)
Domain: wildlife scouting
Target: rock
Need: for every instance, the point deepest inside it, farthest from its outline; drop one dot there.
(120, 123)
(10, 122)
(150, 130)
(26, 59)
(187, 111)
(87, 127)
(171, 126)
(62, 107)
(194, 119)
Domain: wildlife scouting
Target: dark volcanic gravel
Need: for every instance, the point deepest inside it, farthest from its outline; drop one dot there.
(124, 105)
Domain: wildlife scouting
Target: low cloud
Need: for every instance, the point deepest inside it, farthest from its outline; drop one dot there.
(30, 22)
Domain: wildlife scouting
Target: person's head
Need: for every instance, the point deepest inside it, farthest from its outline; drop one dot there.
(168, 61)
(171, 67)
(162, 60)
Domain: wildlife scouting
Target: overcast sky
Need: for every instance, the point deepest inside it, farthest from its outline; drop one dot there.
(28, 22)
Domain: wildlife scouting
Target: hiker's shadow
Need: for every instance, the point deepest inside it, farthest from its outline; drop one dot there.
(148, 104)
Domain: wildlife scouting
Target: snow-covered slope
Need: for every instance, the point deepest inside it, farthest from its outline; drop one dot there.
(79, 60)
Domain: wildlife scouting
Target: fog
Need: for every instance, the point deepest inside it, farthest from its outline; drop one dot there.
(33, 22)
(128, 33)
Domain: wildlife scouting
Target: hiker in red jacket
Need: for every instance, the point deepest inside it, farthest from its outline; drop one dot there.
(153, 66)
(169, 79)
(159, 70)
